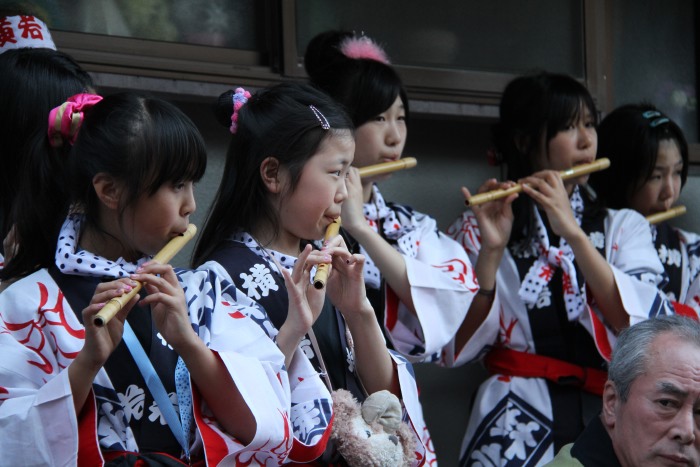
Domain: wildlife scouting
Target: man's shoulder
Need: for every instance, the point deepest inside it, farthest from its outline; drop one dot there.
(564, 458)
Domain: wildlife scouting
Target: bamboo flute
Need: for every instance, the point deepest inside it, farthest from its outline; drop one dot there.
(164, 256)
(322, 269)
(666, 215)
(388, 167)
(574, 172)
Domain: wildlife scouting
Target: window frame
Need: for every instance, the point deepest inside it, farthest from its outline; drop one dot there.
(192, 71)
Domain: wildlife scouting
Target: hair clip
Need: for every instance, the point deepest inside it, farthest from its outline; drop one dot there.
(649, 114)
(66, 119)
(321, 118)
(659, 121)
(240, 97)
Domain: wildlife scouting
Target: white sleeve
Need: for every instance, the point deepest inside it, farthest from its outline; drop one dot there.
(38, 424)
(443, 285)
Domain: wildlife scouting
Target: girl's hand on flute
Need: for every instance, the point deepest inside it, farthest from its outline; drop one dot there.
(352, 211)
(167, 301)
(305, 300)
(100, 341)
(547, 189)
(346, 283)
(496, 217)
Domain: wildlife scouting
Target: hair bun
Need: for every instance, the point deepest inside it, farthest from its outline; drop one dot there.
(324, 50)
(223, 108)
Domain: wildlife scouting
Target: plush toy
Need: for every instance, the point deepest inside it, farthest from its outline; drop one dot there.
(371, 434)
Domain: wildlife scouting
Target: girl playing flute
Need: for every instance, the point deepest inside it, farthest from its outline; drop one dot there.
(559, 278)
(284, 183)
(649, 167)
(419, 280)
(180, 376)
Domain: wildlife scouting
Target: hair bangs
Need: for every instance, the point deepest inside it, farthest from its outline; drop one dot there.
(175, 152)
(567, 106)
(376, 89)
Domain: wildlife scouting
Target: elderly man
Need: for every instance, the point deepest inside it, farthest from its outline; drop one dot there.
(651, 401)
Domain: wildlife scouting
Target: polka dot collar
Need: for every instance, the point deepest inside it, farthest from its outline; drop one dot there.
(70, 259)
(285, 260)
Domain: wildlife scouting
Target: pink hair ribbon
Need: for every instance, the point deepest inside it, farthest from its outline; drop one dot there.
(65, 120)
(240, 97)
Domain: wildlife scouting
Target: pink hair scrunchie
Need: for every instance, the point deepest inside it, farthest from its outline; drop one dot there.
(240, 97)
(65, 120)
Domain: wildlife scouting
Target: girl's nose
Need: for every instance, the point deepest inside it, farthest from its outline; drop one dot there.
(190, 205)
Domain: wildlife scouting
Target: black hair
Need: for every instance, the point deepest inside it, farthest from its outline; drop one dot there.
(276, 121)
(365, 87)
(533, 109)
(143, 142)
(629, 136)
(33, 81)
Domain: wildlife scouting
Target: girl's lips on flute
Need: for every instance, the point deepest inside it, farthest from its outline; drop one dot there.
(583, 162)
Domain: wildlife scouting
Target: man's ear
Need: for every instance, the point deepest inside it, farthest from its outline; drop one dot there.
(107, 189)
(270, 174)
(611, 400)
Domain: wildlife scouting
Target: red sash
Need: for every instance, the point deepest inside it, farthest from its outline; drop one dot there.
(527, 365)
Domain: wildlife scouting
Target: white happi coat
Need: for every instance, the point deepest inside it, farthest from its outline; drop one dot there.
(511, 416)
(260, 277)
(40, 336)
(440, 275)
(687, 258)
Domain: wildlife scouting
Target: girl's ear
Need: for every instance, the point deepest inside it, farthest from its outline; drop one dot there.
(270, 174)
(107, 189)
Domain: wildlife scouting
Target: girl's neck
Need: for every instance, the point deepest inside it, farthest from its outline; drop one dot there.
(102, 243)
(280, 241)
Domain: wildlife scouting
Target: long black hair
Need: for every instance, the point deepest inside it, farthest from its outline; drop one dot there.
(143, 142)
(33, 81)
(276, 121)
(629, 136)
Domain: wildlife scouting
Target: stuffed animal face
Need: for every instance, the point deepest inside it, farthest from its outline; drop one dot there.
(372, 435)
(376, 446)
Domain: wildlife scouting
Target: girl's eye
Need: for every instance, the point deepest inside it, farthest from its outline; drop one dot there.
(337, 173)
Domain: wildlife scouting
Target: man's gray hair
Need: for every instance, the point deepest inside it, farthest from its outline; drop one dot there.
(631, 352)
